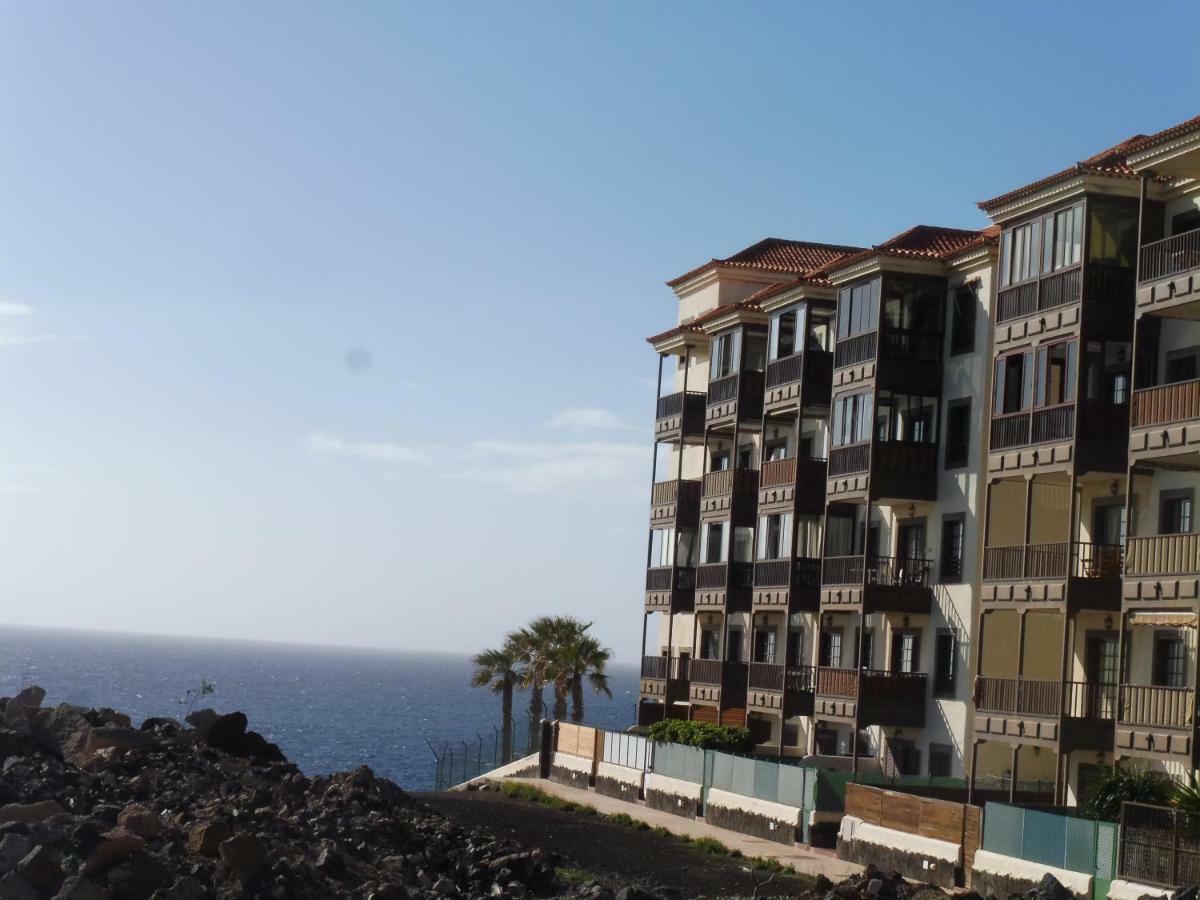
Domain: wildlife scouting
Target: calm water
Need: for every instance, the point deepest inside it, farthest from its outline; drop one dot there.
(328, 708)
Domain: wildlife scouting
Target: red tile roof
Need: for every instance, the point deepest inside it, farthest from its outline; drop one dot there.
(1159, 137)
(752, 303)
(924, 242)
(775, 255)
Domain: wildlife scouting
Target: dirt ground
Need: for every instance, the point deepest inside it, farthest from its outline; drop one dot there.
(613, 854)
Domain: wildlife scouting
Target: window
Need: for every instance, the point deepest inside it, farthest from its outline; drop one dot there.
(962, 320)
(735, 645)
(662, 543)
(708, 643)
(714, 547)
(1181, 365)
(852, 419)
(791, 734)
(906, 651)
(913, 304)
(1112, 232)
(786, 327)
(943, 661)
(831, 648)
(864, 642)
(941, 758)
(958, 433)
(1013, 386)
(764, 645)
(795, 647)
(1170, 660)
(953, 530)
(774, 536)
(743, 544)
(1044, 245)
(1175, 512)
(903, 757)
(858, 309)
(726, 354)
(1056, 373)
(906, 417)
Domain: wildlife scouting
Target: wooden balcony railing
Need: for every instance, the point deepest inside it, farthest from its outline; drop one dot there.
(885, 571)
(1053, 423)
(691, 402)
(1108, 284)
(1047, 292)
(857, 349)
(1010, 430)
(765, 677)
(1060, 288)
(728, 481)
(848, 459)
(910, 344)
(723, 389)
(1080, 559)
(1170, 256)
(1157, 707)
(799, 679)
(842, 570)
(733, 575)
(745, 387)
(1018, 696)
(1163, 554)
(659, 578)
(1089, 700)
(900, 688)
(837, 682)
(655, 667)
(905, 458)
(672, 492)
(1166, 404)
(786, 370)
(798, 572)
(1016, 301)
(778, 472)
(705, 671)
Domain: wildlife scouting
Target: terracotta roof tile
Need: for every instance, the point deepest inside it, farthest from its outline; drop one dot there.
(923, 242)
(752, 303)
(1159, 137)
(775, 255)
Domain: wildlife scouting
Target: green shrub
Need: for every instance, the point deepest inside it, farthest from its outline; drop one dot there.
(1125, 783)
(704, 735)
(711, 846)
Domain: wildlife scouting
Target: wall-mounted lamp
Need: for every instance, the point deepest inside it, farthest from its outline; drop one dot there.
(904, 622)
(912, 510)
(1108, 623)
(828, 620)
(1114, 487)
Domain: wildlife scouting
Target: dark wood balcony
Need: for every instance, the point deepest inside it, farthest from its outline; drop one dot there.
(724, 586)
(877, 470)
(802, 377)
(1081, 574)
(1025, 299)
(1164, 421)
(893, 358)
(736, 397)
(1072, 715)
(1169, 272)
(1157, 723)
(680, 418)
(787, 585)
(853, 351)
(675, 503)
(730, 494)
(791, 484)
(1039, 426)
(1163, 567)
(665, 679)
(719, 682)
(871, 697)
(876, 584)
(670, 589)
(786, 690)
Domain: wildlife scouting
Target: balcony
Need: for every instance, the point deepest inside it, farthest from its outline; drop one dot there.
(1157, 723)
(1073, 715)
(786, 378)
(1025, 299)
(670, 589)
(871, 697)
(1169, 272)
(1041, 426)
(724, 586)
(876, 584)
(894, 470)
(674, 503)
(1162, 567)
(730, 494)
(1165, 420)
(786, 690)
(721, 682)
(665, 679)
(737, 397)
(856, 350)
(787, 585)
(680, 418)
(798, 482)
(1085, 575)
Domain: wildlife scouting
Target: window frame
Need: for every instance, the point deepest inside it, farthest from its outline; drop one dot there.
(945, 576)
(1172, 496)
(967, 322)
(947, 685)
(949, 463)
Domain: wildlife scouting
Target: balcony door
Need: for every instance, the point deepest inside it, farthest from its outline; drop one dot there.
(1102, 667)
(906, 651)
(910, 540)
(764, 645)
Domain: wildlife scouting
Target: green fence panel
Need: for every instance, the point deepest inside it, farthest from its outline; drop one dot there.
(1080, 853)
(790, 788)
(831, 790)
(743, 776)
(721, 771)
(810, 802)
(1045, 839)
(679, 761)
(1003, 826)
(1106, 859)
(766, 780)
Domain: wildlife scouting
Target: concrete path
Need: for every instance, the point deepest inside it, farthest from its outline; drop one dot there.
(808, 860)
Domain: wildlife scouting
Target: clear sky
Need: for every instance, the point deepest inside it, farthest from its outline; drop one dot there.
(324, 322)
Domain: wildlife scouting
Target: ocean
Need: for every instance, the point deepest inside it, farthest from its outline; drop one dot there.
(328, 708)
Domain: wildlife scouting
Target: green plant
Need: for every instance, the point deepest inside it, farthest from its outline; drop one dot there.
(711, 846)
(1187, 796)
(704, 735)
(189, 700)
(572, 875)
(498, 671)
(1125, 784)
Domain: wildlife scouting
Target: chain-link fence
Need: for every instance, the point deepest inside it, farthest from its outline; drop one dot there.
(458, 762)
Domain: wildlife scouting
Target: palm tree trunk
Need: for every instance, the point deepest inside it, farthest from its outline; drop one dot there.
(537, 702)
(506, 728)
(560, 701)
(577, 698)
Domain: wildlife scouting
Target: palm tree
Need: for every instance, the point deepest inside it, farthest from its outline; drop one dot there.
(579, 658)
(535, 645)
(498, 671)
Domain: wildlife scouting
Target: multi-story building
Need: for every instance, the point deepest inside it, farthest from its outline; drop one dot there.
(1066, 683)
(818, 402)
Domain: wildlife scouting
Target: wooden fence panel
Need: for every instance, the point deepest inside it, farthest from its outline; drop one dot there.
(864, 802)
(901, 812)
(941, 819)
(972, 839)
(578, 740)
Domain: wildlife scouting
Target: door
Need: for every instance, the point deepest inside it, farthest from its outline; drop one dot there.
(1108, 536)
(910, 540)
(905, 651)
(764, 645)
(1100, 663)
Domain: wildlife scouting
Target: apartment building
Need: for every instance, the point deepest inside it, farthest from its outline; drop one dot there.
(813, 553)
(929, 506)
(1088, 600)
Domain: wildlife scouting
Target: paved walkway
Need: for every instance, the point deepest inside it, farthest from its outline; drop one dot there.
(808, 860)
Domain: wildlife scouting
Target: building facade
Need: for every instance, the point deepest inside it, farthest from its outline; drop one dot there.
(888, 522)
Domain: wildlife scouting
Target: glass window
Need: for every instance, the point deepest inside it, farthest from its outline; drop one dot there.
(1175, 512)
(764, 645)
(943, 662)
(725, 354)
(786, 326)
(1056, 373)
(852, 419)
(905, 651)
(1170, 661)
(958, 433)
(713, 542)
(743, 544)
(708, 643)
(662, 546)
(962, 320)
(858, 309)
(906, 417)
(774, 536)
(953, 528)
(941, 758)
(1013, 384)
(831, 648)
(1112, 238)
(685, 548)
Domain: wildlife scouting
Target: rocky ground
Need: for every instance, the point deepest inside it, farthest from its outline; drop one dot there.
(94, 808)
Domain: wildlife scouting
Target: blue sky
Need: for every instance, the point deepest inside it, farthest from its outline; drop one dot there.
(324, 322)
